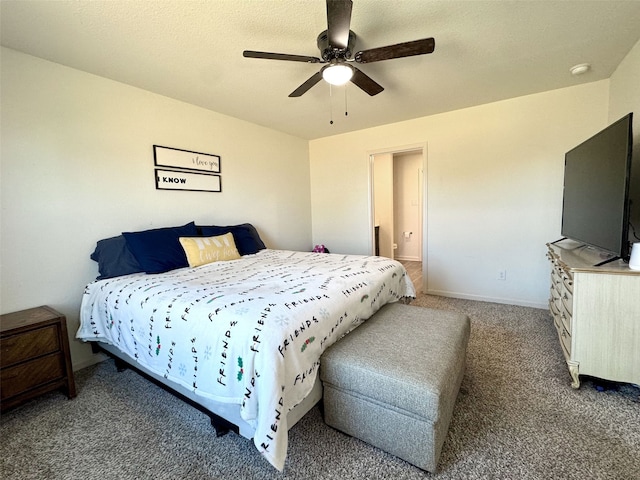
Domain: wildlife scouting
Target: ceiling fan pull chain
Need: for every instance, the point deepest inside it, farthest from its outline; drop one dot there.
(330, 106)
(346, 113)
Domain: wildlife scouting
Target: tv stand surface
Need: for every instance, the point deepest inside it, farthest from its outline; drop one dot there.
(596, 312)
(604, 262)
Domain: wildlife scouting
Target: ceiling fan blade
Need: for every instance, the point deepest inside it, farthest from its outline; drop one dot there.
(406, 49)
(280, 56)
(302, 89)
(338, 22)
(365, 82)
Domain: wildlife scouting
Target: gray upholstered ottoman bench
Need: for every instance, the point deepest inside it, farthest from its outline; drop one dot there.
(393, 381)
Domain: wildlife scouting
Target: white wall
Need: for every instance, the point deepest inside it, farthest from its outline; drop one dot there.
(624, 94)
(77, 166)
(624, 97)
(494, 183)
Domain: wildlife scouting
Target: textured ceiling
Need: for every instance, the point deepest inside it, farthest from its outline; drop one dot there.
(192, 51)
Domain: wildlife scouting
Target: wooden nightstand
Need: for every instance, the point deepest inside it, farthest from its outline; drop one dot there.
(34, 356)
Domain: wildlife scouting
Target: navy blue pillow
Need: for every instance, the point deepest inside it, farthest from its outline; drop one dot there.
(159, 250)
(114, 258)
(245, 236)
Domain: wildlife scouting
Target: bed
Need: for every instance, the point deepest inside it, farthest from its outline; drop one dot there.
(239, 333)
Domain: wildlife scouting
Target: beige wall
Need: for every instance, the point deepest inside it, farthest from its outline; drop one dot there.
(407, 181)
(77, 166)
(494, 189)
(383, 202)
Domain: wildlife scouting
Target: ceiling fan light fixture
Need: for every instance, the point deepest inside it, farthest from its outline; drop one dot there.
(336, 45)
(337, 74)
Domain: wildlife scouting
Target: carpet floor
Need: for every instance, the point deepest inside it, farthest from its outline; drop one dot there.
(516, 417)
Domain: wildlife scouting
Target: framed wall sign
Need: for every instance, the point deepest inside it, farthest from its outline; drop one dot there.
(186, 170)
(185, 159)
(193, 181)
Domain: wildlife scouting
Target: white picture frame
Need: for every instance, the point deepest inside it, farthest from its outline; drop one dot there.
(186, 159)
(191, 181)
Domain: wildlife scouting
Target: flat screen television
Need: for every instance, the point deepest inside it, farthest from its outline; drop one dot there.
(595, 208)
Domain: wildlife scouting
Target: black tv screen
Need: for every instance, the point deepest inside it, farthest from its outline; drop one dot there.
(595, 208)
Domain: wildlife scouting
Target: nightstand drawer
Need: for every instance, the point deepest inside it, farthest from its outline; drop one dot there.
(34, 356)
(24, 346)
(23, 377)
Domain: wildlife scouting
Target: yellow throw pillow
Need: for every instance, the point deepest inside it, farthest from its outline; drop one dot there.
(203, 250)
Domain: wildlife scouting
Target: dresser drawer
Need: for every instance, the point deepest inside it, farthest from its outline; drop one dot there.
(567, 301)
(556, 277)
(553, 308)
(557, 323)
(567, 280)
(566, 320)
(552, 297)
(25, 376)
(565, 341)
(24, 346)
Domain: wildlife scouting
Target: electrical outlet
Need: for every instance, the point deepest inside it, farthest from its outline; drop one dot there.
(502, 275)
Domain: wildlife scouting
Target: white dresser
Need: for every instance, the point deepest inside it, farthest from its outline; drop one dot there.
(596, 311)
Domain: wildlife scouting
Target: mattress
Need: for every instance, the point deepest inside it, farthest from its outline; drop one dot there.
(246, 332)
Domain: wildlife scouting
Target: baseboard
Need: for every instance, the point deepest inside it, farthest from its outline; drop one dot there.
(96, 358)
(479, 298)
(406, 259)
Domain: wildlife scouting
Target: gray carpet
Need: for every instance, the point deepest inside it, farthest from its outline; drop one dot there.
(516, 417)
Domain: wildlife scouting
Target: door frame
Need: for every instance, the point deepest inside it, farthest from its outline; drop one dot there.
(424, 218)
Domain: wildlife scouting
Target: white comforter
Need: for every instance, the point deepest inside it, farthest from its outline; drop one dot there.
(247, 331)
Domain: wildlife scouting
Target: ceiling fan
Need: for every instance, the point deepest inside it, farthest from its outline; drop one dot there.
(336, 45)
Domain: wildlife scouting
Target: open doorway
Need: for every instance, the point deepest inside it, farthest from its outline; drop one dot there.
(398, 206)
